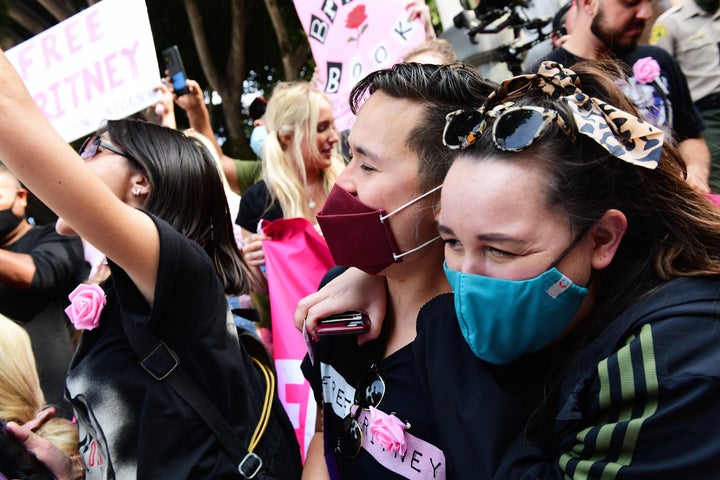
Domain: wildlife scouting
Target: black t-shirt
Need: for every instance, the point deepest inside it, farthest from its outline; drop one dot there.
(339, 367)
(255, 205)
(664, 100)
(59, 267)
(132, 426)
(479, 408)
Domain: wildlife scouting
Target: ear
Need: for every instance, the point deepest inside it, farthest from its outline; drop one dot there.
(21, 202)
(139, 189)
(587, 7)
(285, 139)
(22, 197)
(606, 235)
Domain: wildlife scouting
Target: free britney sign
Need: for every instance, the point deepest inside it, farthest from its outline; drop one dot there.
(351, 38)
(97, 65)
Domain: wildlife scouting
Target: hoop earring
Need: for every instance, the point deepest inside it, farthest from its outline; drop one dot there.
(136, 192)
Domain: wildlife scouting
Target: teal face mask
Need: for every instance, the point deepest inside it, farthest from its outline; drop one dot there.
(503, 320)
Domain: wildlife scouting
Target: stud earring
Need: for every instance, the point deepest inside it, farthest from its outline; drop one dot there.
(136, 192)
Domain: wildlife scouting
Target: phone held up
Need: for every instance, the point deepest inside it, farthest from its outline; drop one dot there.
(348, 323)
(176, 70)
(17, 461)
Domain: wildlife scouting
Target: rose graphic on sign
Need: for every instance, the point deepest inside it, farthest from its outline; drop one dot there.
(355, 20)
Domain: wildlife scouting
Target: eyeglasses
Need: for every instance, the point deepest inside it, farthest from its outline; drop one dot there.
(90, 147)
(513, 128)
(369, 393)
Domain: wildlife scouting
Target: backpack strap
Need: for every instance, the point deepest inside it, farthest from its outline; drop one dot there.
(163, 364)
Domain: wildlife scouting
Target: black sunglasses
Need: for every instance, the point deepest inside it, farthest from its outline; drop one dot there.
(513, 128)
(369, 393)
(90, 147)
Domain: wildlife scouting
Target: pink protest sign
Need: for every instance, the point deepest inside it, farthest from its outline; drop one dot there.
(296, 259)
(98, 64)
(351, 38)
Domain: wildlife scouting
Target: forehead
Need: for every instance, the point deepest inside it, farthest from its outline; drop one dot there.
(624, 4)
(494, 196)
(325, 111)
(385, 123)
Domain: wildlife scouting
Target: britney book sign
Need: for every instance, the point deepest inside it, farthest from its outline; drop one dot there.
(351, 38)
(99, 64)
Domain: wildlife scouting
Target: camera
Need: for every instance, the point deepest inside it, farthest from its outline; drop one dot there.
(493, 16)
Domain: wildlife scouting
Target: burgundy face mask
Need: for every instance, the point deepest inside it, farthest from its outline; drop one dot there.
(360, 236)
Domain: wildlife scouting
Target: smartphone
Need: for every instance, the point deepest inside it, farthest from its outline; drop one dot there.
(348, 323)
(176, 70)
(16, 460)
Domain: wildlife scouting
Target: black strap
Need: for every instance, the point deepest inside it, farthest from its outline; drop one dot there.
(160, 361)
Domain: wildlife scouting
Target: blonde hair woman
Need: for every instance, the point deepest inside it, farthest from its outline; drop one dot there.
(299, 157)
(21, 399)
(300, 162)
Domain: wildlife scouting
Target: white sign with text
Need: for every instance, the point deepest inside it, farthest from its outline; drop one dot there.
(97, 65)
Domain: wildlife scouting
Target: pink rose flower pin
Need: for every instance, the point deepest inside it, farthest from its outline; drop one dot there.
(388, 430)
(646, 70)
(86, 305)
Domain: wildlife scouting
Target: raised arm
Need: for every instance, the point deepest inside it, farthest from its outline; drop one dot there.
(49, 167)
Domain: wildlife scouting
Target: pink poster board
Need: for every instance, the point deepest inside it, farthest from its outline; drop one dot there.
(350, 39)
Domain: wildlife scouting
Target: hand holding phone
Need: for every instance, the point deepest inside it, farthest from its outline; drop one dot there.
(176, 70)
(348, 323)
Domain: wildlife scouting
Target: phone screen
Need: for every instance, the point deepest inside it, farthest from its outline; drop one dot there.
(178, 81)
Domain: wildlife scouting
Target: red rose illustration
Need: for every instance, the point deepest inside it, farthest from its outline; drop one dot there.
(355, 20)
(356, 17)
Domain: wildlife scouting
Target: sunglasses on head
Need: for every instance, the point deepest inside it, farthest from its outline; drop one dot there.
(90, 147)
(369, 393)
(513, 128)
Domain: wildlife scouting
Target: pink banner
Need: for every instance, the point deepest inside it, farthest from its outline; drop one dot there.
(296, 259)
(351, 38)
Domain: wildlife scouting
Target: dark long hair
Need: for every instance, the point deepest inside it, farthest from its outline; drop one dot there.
(185, 191)
(672, 229)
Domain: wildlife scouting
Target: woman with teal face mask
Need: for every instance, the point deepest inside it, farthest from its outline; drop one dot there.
(585, 282)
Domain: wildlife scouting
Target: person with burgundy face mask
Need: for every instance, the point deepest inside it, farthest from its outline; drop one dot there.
(380, 218)
(38, 269)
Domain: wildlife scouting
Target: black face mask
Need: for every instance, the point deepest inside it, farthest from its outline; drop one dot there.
(8, 221)
(709, 6)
